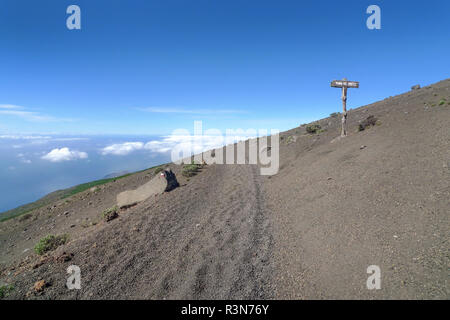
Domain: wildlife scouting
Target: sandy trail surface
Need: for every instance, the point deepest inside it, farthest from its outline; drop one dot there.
(213, 241)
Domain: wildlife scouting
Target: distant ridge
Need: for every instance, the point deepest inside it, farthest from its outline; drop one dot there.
(116, 174)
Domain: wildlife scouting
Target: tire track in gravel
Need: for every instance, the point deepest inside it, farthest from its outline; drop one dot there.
(228, 254)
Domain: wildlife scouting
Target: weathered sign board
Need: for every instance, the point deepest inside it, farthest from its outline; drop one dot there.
(344, 84)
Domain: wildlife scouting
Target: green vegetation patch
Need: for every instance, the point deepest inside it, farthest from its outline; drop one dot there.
(289, 139)
(89, 185)
(50, 242)
(110, 214)
(190, 170)
(59, 195)
(158, 170)
(313, 128)
(6, 290)
(367, 123)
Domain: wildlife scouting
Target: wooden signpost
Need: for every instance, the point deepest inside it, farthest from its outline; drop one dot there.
(344, 84)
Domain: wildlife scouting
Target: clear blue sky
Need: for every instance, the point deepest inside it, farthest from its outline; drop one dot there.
(148, 67)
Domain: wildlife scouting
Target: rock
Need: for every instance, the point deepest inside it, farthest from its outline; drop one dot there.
(39, 286)
(362, 147)
(416, 87)
(64, 257)
(66, 213)
(164, 182)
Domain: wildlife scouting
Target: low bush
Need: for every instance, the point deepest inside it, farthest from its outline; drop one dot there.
(5, 290)
(158, 170)
(368, 122)
(313, 128)
(110, 213)
(190, 170)
(49, 243)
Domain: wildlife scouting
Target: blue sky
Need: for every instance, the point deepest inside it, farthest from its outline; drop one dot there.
(149, 67)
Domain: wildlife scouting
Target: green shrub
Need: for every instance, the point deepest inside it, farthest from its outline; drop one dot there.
(50, 243)
(110, 213)
(190, 170)
(5, 290)
(368, 122)
(289, 139)
(158, 170)
(313, 128)
(334, 114)
(441, 102)
(25, 217)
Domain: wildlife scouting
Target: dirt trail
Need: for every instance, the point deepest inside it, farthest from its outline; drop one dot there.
(211, 241)
(221, 248)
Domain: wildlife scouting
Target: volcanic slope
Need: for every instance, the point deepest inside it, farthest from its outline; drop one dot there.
(337, 206)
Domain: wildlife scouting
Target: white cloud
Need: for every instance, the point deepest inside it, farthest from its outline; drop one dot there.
(122, 149)
(23, 159)
(23, 137)
(27, 115)
(70, 139)
(10, 107)
(64, 154)
(21, 112)
(195, 143)
(36, 139)
(190, 111)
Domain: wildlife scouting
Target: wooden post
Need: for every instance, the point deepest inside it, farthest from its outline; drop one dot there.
(344, 108)
(344, 84)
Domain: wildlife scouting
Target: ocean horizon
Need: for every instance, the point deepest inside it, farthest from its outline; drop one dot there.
(33, 166)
